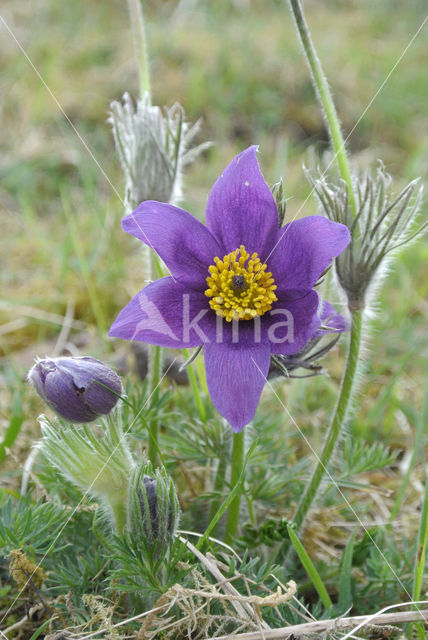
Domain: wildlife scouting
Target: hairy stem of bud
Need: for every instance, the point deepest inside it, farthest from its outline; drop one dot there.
(324, 95)
(140, 44)
(155, 371)
(118, 506)
(238, 454)
(339, 418)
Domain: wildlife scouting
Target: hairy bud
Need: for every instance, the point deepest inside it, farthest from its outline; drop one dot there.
(78, 389)
(383, 224)
(153, 509)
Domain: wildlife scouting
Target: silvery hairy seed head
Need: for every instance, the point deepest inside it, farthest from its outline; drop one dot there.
(153, 509)
(383, 223)
(153, 146)
(78, 389)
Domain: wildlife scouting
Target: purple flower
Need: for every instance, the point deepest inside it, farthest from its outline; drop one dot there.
(78, 389)
(240, 286)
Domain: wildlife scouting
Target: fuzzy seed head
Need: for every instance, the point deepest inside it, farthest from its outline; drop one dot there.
(383, 224)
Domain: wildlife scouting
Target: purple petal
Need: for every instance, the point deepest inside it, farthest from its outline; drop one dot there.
(292, 324)
(241, 208)
(304, 249)
(66, 399)
(236, 374)
(331, 320)
(184, 243)
(166, 314)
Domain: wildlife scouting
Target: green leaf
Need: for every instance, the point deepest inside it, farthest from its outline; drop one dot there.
(360, 457)
(310, 569)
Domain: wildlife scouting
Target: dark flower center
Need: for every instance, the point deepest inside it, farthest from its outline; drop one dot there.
(238, 284)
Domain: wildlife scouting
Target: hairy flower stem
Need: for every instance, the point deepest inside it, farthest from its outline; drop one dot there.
(155, 376)
(140, 44)
(117, 496)
(325, 97)
(339, 418)
(238, 454)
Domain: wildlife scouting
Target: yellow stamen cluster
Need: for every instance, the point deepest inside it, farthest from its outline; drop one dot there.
(239, 286)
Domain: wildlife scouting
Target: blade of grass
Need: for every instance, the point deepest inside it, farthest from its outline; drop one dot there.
(417, 448)
(195, 388)
(15, 424)
(85, 270)
(38, 631)
(310, 569)
(418, 575)
(345, 583)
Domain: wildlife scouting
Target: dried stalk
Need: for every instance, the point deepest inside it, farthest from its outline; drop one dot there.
(337, 624)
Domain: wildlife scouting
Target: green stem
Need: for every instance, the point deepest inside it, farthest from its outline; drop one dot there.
(154, 377)
(325, 98)
(238, 454)
(218, 486)
(340, 415)
(140, 44)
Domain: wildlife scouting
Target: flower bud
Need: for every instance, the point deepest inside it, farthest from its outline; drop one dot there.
(78, 389)
(153, 509)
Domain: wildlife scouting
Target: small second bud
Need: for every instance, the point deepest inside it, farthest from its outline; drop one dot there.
(153, 509)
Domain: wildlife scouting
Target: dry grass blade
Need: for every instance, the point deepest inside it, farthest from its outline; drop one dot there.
(317, 627)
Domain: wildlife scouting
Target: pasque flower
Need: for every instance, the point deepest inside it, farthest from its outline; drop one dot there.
(240, 286)
(78, 389)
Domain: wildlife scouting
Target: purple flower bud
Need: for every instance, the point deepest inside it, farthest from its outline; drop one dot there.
(78, 389)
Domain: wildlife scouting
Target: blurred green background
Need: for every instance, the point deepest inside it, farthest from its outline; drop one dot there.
(238, 66)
